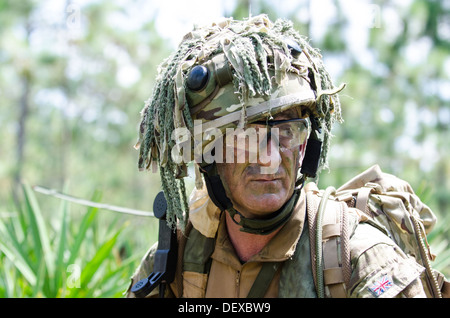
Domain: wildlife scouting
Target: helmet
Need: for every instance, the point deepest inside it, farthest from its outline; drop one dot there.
(223, 76)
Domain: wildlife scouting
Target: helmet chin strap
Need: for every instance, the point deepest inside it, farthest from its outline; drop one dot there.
(267, 225)
(264, 226)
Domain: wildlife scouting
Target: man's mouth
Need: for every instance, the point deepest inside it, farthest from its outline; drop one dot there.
(265, 179)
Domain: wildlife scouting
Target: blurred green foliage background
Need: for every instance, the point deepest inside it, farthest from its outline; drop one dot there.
(74, 76)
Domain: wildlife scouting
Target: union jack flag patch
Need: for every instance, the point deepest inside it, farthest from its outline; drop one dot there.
(381, 285)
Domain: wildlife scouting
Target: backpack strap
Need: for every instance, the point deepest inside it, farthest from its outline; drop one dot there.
(362, 198)
(329, 243)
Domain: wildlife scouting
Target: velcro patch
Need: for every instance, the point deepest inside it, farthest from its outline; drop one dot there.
(381, 285)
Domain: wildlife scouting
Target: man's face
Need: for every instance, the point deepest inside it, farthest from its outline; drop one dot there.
(254, 193)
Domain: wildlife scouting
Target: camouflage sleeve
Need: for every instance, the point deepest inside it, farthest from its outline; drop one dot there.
(380, 268)
(144, 269)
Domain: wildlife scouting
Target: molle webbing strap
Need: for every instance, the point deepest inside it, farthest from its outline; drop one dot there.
(335, 250)
(363, 198)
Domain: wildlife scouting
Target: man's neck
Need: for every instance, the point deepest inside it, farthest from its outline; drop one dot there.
(246, 244)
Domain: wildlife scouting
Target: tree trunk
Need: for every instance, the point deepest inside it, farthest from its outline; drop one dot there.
(24, 108)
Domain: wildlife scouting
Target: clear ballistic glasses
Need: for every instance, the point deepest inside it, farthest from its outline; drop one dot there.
(287, 134)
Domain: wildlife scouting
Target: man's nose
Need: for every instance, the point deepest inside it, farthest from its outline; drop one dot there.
(269, 156)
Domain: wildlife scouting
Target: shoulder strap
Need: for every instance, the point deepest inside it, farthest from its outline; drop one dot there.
(329, 239)
(263, 280)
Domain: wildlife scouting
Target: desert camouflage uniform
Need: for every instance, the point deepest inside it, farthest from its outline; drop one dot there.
(273, 77)
(373, 257)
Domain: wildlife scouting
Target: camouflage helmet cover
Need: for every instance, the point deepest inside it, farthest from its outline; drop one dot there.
(251, 69)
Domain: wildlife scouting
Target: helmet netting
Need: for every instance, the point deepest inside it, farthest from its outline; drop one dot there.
(250, 77)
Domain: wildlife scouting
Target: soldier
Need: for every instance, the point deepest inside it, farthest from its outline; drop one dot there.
(251, 103)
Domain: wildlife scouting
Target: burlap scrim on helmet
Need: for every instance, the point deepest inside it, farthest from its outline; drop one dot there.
(260, 64)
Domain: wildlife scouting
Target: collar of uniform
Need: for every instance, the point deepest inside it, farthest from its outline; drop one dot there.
(280, 248)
